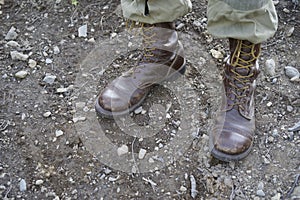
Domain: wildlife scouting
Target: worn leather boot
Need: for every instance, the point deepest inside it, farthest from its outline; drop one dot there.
(162, 59)
(232, 135)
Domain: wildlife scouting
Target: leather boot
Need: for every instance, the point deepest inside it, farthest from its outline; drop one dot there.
(161, 60)
(232, 135)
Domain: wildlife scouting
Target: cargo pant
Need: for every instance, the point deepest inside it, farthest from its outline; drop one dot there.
(252, 20)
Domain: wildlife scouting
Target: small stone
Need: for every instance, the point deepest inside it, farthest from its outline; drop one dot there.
(49, 79)
(260, 186)
(183, 189)
(21, 74)
(270, 67)
(142, 153)
(276, 197)
(58, 133)
(15, 55)
(12, 44)
(180, 26)
(56, 50)
(269, 104)
(39, 182)
(23, 186)
(78, 119)
(151, 160)
(122, 150)
(289, 108)
(92, 40)
(260, 193)
(138, 110)
(290, 32)
(32, 63)
(291, 72)
(216, 54)
(82, 31)
(47, 114)
(113, 35)
(48, 61)
(197, 23)
(11, 34)
(61, 90)
(286, 10)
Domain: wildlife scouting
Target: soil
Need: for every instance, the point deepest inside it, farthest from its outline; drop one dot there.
(53, 146)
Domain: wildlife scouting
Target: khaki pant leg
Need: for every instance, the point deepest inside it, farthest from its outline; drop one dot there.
(252, 20)
(159, 10)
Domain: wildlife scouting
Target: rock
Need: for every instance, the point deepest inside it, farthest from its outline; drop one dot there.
(82, 31)
(49, 79)
(47, 114)
(56, 50)
(290, 32)
(15, 55)
(216, 54)
(48, 61)
(22, 185)
(78, 119)
(286, 10)
(21, 74)
(270, 67)
(289, 108)
(142, 153)
(61, 90)
(296, 127)
(260, 193)
(13, 44)
(122, 150)
(39, 182)
(180, 26)
(138, 110)
(58, 133)
(32, 63)
(296, 193)
(291, 72)
(92, 40)
(276, 197)
(11, 34)
(183, 189)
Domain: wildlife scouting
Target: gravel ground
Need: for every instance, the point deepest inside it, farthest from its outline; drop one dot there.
(55, 57)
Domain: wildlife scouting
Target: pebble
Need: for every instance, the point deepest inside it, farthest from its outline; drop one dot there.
(291, 72)
(61, 90)
(270, 67)
(122, 150)
(82, 31)
(56, 50)
(39, 182)
(269, 104)
(11, 34)
(142, 153)
(286, 10)
(48, 61)
(12, 44)
(289, 108)
(23, 186)
(58, 133)
(32, 63)
(183, 189)
(296, 127)
(180, 26)
(216, 54)
(49, 79)
(290, 32)
(138, 110)
(276, 197)
(21, 74)
(78, 119)
(47, 114)
(15, 55)
(260, 193)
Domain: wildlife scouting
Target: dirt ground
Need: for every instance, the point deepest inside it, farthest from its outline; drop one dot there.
(50, 140)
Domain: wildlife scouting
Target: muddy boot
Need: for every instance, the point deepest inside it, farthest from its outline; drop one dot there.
(162, 59)
(232, 136)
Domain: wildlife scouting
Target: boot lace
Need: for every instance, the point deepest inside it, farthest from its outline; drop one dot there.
(242, 61)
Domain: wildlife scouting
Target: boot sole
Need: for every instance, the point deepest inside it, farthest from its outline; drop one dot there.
(229, 157)
(101, 112)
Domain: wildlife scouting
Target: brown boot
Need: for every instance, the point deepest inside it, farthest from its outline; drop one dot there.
(232, 135)
(162, 59)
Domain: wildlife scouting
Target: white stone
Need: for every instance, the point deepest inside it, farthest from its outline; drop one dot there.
(216, 54)
(15, 55)
(122, 150)
(11, 34)
(23, 185)
(21, 74)
(138, 110)
(32, 63)
(47, 114)
(270, 67)
(56, 50)
(58, 133)
(142, 153)
(82, 31)
(39, 182)
(61, 90)
(183, 189)
(12, 44)
(260, 193)
(48, 61)
(78, 119)
(49, 79)
(291, 72)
